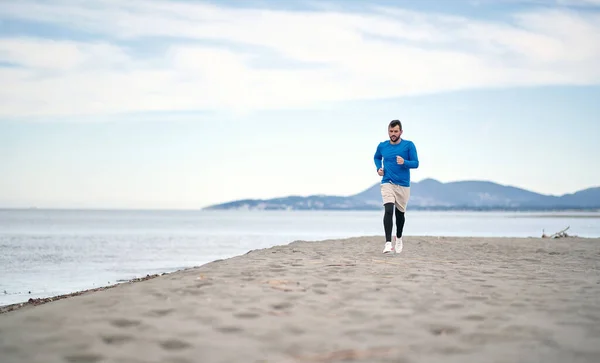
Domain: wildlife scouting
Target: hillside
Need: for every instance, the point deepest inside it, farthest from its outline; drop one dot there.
(434, 195)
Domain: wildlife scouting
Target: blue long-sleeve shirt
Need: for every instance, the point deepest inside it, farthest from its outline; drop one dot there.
(385, 156)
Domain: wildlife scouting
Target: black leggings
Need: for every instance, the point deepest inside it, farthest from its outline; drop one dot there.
(387, 221)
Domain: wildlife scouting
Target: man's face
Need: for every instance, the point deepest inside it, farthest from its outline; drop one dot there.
(394, 133)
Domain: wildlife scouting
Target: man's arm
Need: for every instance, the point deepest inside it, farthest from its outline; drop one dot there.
(377, 158)
(413, 159)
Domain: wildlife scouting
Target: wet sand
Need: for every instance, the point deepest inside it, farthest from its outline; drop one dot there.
(450, 299)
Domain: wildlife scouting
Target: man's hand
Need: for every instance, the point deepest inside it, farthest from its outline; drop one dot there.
(380, 172)
(400, 160)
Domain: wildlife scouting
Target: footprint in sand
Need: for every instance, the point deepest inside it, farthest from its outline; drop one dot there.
(116, 339)
(453, 306)
(451, 350)
(204, 284)
(174, 344)
(477, 298)
(228, 329)
(84, 358)
(474, 317)
(482, 338)
(160, 312)
(443, 329)
(207, 320)
(277, 268)
(159, 295)
(124, 323)
(282, 305)
(246, 315)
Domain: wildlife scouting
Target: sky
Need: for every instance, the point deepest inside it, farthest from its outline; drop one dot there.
(183, 104)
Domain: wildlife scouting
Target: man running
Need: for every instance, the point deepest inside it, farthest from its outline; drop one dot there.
(399, 156)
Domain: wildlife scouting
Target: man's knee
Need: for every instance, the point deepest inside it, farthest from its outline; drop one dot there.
(389, 208)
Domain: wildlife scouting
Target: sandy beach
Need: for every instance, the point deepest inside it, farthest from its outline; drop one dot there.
(442, 300)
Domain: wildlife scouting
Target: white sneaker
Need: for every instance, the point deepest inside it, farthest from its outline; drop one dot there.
(398, 245)
(388, 247)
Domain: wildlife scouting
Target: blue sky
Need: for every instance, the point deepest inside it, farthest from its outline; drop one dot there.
(182, 104)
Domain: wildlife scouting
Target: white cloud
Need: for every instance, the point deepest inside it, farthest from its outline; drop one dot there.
(579, 2)
(59, 55)
(208, 61)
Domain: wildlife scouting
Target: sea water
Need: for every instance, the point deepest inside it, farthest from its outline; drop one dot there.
(46, 253)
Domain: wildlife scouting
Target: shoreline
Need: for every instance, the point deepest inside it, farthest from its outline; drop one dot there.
(450, 299)
(44, 300)
(39, 301)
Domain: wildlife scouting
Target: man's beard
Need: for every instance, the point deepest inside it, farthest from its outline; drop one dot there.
(393, 138)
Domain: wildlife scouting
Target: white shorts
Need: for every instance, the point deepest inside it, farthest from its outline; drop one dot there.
(397, 194)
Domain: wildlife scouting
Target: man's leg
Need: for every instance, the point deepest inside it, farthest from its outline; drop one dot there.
(389, 199)
(387, 221)
(399, 223)
(402, 194)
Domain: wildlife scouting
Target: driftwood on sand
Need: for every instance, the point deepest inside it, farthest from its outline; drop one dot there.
(559, 234)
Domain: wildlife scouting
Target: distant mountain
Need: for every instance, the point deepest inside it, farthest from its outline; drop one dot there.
(433, 195)
(313, 202)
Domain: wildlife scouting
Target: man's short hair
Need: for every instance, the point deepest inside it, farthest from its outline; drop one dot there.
(395, 123)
